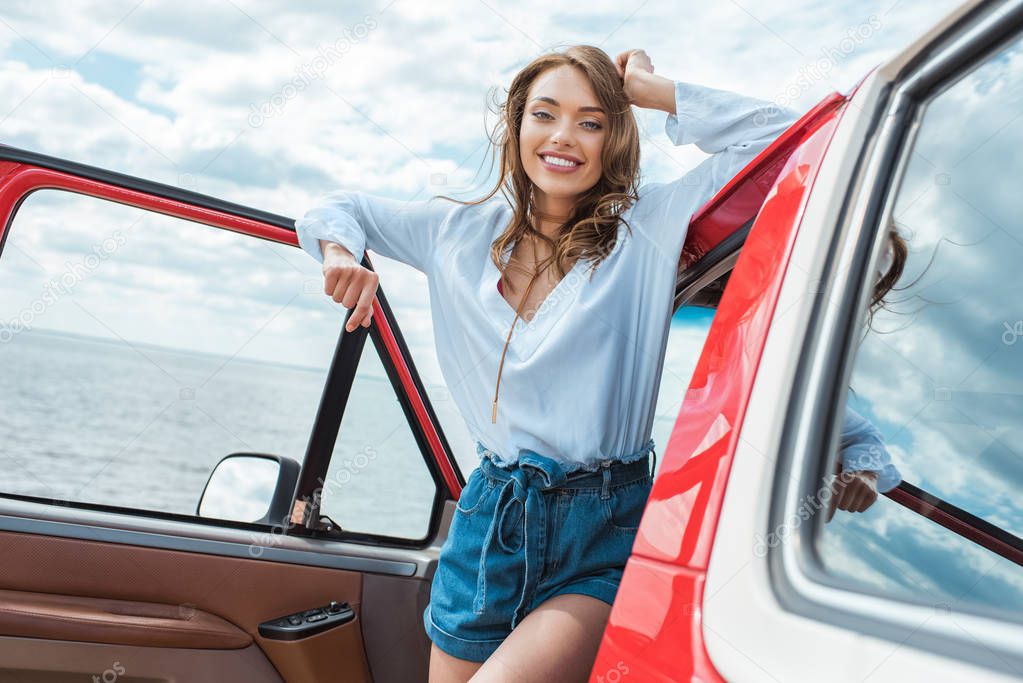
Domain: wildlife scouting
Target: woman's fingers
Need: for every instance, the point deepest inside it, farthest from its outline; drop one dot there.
(352, 286)
(341, 289)
(852, 492)
(866, 496)
(622, 61)
(843, 493)
(363, 313)
(331, 275)
(866, 490)
(639, 59)
(854, 497)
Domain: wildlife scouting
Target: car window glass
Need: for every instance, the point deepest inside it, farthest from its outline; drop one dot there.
(137, 350)
(939, 372)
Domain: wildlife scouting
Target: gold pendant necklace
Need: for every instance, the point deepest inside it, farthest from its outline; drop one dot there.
(493, 417)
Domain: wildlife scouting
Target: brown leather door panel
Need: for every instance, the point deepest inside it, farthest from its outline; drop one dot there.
(119, 622)
(34, 660)
(192, 601)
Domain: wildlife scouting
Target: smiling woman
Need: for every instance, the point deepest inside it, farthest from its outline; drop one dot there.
(586, 259)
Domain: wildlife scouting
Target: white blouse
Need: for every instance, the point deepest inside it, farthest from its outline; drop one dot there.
(580, 379)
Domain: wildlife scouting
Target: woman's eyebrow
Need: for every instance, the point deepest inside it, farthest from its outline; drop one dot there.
(551, 100)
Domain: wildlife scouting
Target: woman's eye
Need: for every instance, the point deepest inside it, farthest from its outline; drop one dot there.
(591, 125)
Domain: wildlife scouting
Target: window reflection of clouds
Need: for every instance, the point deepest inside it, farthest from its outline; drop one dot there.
(936, 373)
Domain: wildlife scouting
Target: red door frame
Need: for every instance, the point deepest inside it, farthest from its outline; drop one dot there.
(23, 172)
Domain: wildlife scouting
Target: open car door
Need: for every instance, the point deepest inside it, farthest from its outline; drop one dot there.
(205, 477)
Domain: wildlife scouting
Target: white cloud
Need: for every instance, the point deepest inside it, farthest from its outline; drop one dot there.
(167, 90)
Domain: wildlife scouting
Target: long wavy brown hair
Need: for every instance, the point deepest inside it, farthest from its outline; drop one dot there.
(591, 228)
(900, 251)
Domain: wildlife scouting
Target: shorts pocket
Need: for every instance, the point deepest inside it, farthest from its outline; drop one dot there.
(474, 493)
(623, 510)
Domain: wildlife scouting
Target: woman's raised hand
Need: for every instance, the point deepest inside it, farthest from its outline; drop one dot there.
(629, 63)
(642, 87)
(349, 283)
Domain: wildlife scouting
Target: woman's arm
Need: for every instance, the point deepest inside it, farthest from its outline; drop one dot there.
(863, 467)
(406, 231)
(344, 223)
(863, 450)
(733, 128)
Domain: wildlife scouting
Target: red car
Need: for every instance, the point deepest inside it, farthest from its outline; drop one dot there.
(296, 564)
(733, 575)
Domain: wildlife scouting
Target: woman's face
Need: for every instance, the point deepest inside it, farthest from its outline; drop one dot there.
(562, 119)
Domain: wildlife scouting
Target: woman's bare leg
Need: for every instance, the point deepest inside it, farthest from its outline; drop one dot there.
(447, 669)
(557, 641)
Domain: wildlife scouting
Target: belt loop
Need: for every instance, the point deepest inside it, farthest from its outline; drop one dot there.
(605, 487)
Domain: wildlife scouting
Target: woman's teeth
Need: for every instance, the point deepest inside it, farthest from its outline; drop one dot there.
(557, 161)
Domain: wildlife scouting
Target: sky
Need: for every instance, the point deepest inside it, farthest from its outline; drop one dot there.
(271, 104)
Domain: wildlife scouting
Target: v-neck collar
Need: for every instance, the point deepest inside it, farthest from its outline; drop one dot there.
(526, 337)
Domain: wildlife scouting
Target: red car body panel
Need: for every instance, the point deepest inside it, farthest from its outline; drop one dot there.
(655, 626)
(743, 195)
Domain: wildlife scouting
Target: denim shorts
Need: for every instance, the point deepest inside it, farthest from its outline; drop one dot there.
(526, 533)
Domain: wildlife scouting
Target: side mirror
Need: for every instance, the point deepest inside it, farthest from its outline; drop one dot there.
(250, 487)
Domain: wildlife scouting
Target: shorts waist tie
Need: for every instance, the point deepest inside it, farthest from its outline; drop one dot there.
(520, 515)
(520, 520)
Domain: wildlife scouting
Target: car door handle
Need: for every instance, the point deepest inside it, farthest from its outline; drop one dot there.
(307, 623)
